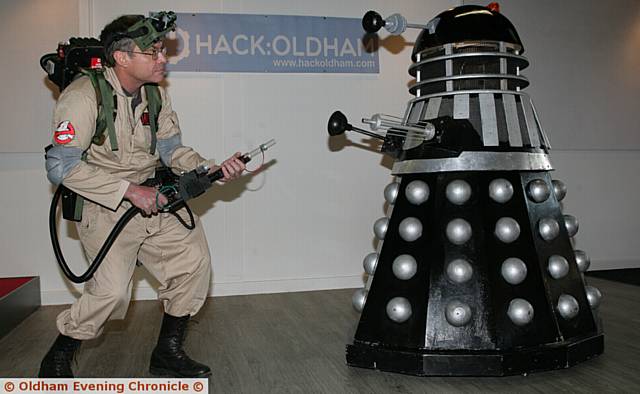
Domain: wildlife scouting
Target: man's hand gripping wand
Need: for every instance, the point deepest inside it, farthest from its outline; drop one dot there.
(177, 188)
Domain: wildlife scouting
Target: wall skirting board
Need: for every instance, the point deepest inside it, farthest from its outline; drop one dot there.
(145, 292)
(627, 275)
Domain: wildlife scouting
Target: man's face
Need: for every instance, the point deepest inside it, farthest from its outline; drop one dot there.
(149, 65)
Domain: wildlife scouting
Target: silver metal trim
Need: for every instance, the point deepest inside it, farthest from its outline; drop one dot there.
(532, 127)
(418, 71)
(511, 116)
(448, 50)
(461, 106)
(468, 76)
(472, 91)
(418, 75)
(547, 144)
(407, 111)
(488, 119)
(433, 108)
(462, 44)
(416, 113)
(504, 55)
(503, 67)
(477, 161)
(412, 139)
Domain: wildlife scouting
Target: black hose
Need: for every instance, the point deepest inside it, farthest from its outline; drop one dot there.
(117, 229)
(128, 215)
(181, 220)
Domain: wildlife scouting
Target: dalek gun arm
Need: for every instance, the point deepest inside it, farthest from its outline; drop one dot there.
(395, 24)
(451, 138)
(391, 129)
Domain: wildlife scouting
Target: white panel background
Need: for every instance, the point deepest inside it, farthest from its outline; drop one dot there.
(30, 28)
(306, 222)
(585, 69)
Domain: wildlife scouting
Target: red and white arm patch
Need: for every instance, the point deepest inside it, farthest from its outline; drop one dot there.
(65, 133)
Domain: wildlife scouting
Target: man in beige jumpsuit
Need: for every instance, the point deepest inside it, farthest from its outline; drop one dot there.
(109, 180)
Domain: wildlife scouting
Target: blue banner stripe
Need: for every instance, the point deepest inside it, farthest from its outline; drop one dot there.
(271, 44)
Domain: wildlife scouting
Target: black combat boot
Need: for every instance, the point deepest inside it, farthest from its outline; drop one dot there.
(57, 362)
(168, 358)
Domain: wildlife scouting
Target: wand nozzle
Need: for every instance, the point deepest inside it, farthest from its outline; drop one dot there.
(260, 149)
(244, 158)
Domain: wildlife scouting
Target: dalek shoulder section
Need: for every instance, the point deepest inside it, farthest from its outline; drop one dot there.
(467, 64)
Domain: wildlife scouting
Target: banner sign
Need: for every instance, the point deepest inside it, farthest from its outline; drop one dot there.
(270, 44)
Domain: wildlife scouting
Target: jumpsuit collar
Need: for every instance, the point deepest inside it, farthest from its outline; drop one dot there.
(112, 78)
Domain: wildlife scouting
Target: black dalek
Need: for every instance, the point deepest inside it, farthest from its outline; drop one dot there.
(475, 272)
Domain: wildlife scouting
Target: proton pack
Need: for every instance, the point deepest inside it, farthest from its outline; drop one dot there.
(86, 56)
(64, 65)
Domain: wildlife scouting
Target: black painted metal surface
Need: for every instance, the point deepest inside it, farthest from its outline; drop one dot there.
(427, 344)
(467, 23)
(470, 92)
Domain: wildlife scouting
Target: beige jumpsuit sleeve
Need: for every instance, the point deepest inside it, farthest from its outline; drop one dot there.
(78, 107)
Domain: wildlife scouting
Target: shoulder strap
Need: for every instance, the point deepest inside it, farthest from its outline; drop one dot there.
(106, 108)
(154, 103)
(107, 105)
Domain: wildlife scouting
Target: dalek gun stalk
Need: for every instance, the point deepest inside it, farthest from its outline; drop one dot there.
(395, 131)
(395, 24)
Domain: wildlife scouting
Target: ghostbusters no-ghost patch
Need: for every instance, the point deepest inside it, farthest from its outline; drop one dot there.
(64, 133)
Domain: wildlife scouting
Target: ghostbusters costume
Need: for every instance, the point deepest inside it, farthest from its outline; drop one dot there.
(177, 257)
(104, 167)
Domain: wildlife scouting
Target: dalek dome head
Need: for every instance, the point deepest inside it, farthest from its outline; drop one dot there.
(465, 48)
(467, 23)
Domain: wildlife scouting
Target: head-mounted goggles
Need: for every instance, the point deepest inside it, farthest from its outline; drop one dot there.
(149, 30)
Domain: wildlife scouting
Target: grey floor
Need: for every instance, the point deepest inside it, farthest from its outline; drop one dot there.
(295, 342)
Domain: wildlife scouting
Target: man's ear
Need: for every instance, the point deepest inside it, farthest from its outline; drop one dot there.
(122, 58)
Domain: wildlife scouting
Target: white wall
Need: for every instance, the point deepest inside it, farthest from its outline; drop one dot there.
(585, 83)
(306, 222)
(30, 28)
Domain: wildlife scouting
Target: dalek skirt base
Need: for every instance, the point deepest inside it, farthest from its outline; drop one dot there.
(476, 276)
(475, 273)
(469, 363)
